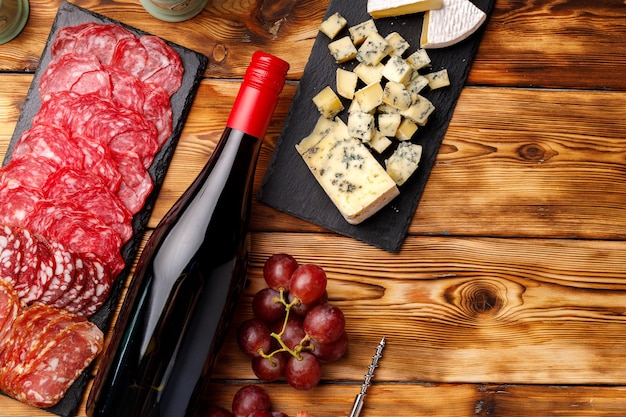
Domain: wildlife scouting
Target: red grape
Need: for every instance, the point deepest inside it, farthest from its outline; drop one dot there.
(266, 307)
(254, 335)
(325, 323)
(302, 309)
(279, 414)
(278, 269)
(308, 283)
(250, 398)
(330, 351)
(269, 369)
(294, 331)
(303, 373)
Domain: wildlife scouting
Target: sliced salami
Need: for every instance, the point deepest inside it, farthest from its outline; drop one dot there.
(10, 258)
(128, 91)
(98, 161)
(28, 251)
(10, 308)
(49, 141)
(96, 288)
(30, 171)
(136, 182)
(65, 40)
(164, 67)
(131, 56)
(158, 109)
(100, 40)
(81, 74)
(78, 230)
(18, 202)
(90, 194)
(60, 275)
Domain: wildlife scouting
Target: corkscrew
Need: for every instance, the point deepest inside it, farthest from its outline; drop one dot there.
(358, 401)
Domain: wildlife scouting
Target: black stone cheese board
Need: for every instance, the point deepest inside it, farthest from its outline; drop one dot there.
(195, 64)
(289, 186)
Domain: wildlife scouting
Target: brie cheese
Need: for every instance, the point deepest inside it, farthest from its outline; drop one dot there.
(388, 8)
(454, 22)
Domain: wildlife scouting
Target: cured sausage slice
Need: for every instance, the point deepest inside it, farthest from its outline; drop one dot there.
(49, 141)
(95, 290)
(10, 308)
(67, 73)
(78, 230)
(29, 171)
(98, 161)
(158, 109)
(136, 182)
(18, 202)
(100, 40)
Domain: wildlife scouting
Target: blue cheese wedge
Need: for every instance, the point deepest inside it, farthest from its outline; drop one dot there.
(455, 21)
(403, 162)
(349, 174)
(389, 8)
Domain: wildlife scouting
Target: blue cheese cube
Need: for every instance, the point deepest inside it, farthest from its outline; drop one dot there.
(415, 85)
(397, 69)
(419, 59)
(369, 97)
(373, 49)
(398, 44)
(438, 79)
(361, 126)
(395, 95)
(346, 83)
(379, 143)
(388, 123)
(327, 102)
(419, 111)
(403, 162)
(406, 130)
(360, 32)
(369, 74)
(342, 50)
(333, 25)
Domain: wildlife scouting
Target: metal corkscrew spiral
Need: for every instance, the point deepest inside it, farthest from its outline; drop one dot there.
(358, 401)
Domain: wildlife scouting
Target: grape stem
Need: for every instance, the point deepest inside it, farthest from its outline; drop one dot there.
(302, 346)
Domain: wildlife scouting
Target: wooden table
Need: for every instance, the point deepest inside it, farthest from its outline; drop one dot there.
(508, 297)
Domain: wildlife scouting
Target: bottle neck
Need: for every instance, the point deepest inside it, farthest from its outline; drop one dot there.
(258, 95)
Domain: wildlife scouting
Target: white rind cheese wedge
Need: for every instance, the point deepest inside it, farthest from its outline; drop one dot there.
(388, 8)
(349, 174)
(454, 22)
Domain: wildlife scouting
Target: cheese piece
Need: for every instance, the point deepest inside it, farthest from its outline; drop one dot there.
(388, 123)
(333, 25)
(419, 59)
(452, 23)
(416, 85)
(346, 83)
(403, 162)
(360, 32)
(438, 79)
(373, 49)
(397, 69)
(342, 49)
(327, 102)
(398, 44)
(369, 97)
(349, 174)
(361, 126)
(396, 95)
(388, 8)
(379, 142)
(419, 111)
(323, 128)
(406, 130)
(369, 74)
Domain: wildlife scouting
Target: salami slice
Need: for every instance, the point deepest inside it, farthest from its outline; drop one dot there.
(98, 161)
(78, 230)
(43, 272)
(65, 40)
(30, 171)
(28, 252)
(49, 141)
(10, 259)
(90, 194)
(60, 275)
(158, 109)
(151, 60)
(18, 202)
(67, 73)
(136, 182)
(96, 288)
(10, 308)
(128, 91)
(80, 279)
(100, 40)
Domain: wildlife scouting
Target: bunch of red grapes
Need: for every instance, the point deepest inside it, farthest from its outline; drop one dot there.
(294, 328)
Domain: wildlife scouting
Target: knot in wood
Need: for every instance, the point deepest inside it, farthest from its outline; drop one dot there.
(219, 52)
(478, 297)
(535, 152)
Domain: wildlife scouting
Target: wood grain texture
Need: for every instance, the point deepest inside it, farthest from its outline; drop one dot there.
(507, 299)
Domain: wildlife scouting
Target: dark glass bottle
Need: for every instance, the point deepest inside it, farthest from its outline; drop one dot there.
(191, 272)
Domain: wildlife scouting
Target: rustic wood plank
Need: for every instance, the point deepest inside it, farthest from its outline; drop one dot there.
(228, 32)
(473, 310)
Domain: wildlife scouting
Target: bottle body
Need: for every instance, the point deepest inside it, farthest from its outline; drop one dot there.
(187, 282)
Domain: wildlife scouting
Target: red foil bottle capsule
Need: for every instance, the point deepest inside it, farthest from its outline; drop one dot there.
(191, 272)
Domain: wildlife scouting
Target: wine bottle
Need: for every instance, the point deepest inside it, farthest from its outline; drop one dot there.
(191, 272)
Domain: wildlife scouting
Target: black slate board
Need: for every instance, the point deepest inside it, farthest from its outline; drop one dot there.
(195, 64)
(290, 187)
